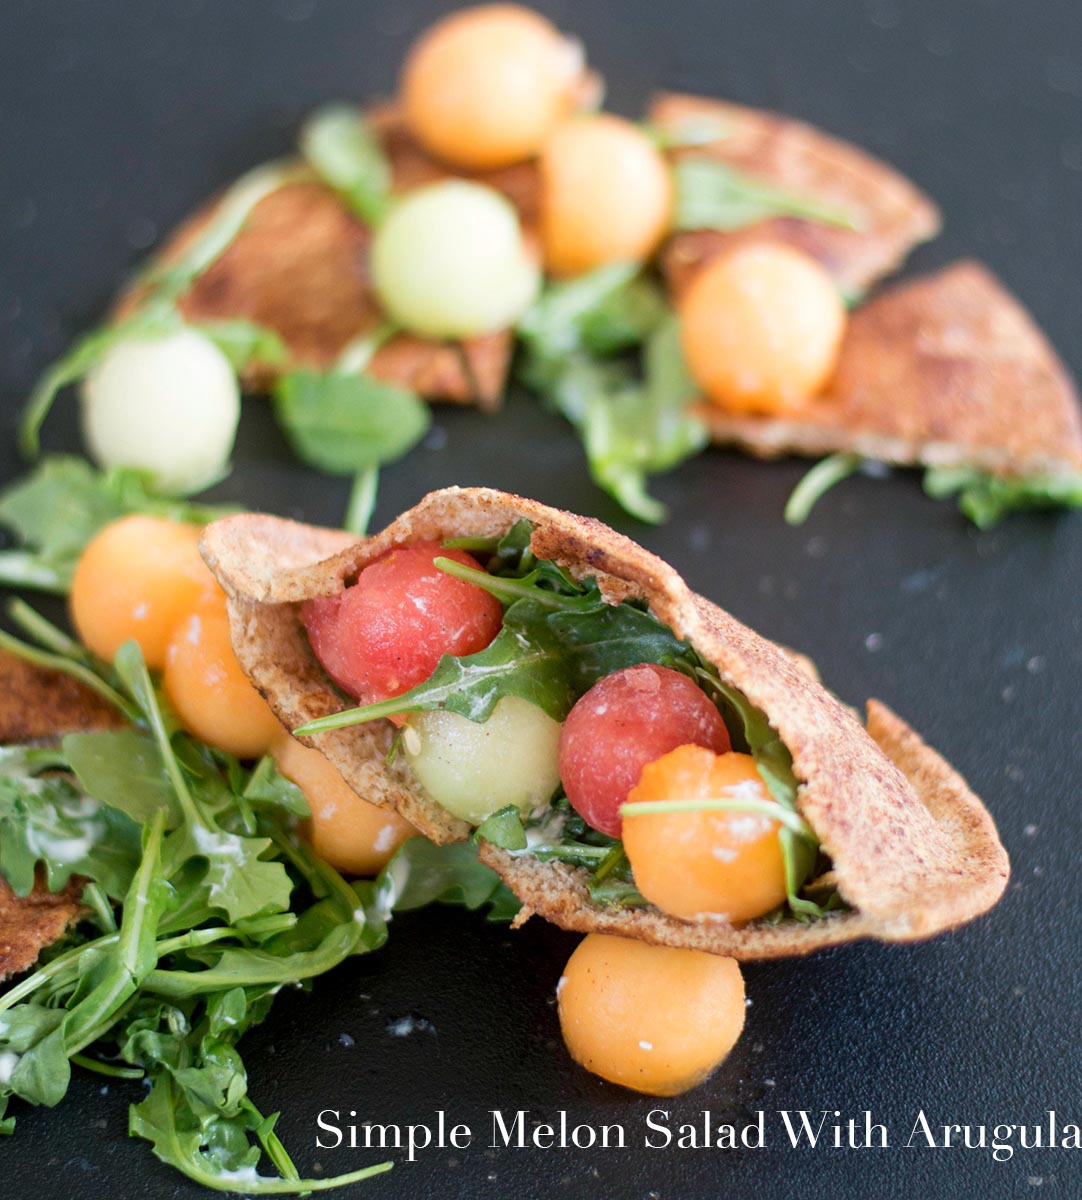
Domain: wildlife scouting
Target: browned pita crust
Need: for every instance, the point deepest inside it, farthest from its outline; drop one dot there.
(913, 849)
(948, 369)
(893, 215)
(30, 923)
(39, 705)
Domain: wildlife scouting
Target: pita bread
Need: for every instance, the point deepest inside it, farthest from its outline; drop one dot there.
(300, 267)
(946, 370)
(892, 214)
(35, 706)
(913, 849)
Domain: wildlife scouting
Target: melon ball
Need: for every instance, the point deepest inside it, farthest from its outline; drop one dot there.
(167, 405)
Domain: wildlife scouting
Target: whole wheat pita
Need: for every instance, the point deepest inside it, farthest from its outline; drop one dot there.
(947, 369)
(890, 214)
(914, 851)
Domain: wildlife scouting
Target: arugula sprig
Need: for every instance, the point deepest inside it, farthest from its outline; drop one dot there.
(575, 345)
(983, 498)
(341, 148)
(713, 195)
(62, 504)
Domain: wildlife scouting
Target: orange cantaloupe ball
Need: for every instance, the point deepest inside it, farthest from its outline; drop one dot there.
(352, 835)
(606, 194)
(483, 87)
(655, 1019)
(136, 579)
(761, 328)
(726, 863)
(208, 689)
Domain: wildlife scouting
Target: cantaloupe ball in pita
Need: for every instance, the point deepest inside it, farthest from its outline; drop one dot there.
(652, 1018)
(761, 328)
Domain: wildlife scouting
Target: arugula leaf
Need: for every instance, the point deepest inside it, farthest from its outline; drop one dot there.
(712, 195)
(503, 828)
(422, 873)
(343, 151)
(343, 423)
(49, 822)
(986, 499)
(57, 509)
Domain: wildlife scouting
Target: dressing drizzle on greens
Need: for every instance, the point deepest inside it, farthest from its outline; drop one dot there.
(559, 637)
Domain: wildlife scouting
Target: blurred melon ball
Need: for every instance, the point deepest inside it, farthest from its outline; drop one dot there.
(449, 261)
(483, 87)
(166, 405)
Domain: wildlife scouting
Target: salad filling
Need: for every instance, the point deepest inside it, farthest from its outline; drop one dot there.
(567, 728)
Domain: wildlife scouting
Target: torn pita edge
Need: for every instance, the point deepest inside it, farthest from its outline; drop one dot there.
(893, 215)
(904, 859)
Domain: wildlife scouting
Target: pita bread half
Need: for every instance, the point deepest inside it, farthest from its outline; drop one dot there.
(945, 370)
(913, 850)
(893, 215)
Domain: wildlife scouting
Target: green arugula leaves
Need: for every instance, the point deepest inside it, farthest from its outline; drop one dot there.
(633, 423)
(712, 195)
(986, 499)
(59, 507)
(983, 498)
(342, 150)
(344, 423)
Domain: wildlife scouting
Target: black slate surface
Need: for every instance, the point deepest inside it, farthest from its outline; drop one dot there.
(116, 116)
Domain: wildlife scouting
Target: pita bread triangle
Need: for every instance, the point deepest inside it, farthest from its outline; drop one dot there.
(944, 370)
(913, 850)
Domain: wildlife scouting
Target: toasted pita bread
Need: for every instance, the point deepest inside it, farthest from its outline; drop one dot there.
(300, 267)
(37, 706)
(913, 850)
(892, 214)
(946, 370)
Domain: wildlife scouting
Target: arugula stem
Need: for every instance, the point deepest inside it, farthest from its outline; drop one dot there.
(505, 589)
(24, 569)
(44, 632)
(94, 897)
(767, 808)
(59, 662)
(101, 1068)
(54, 970)
(817, 482)
(362, 501)
(270, 1141)
(357, 354)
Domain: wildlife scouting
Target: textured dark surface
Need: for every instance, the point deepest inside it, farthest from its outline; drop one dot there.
(116, 117)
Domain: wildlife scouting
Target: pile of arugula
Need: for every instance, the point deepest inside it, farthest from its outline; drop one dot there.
(558, 638)
(201, 898)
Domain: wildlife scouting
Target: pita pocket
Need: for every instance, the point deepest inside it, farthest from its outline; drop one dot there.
(890, 215)
(946, 370)
(911, 849)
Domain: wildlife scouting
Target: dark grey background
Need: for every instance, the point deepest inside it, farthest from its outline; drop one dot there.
(116, 116)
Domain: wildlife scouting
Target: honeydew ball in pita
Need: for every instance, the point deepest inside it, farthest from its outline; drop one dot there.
(474, 769)
(483, 86)
(449, 261)
(761, 328)
(656, 1019)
